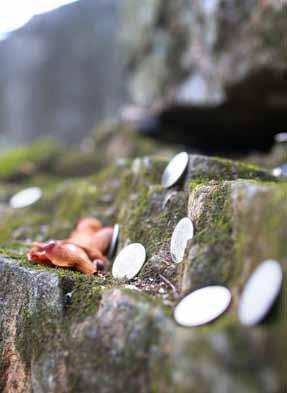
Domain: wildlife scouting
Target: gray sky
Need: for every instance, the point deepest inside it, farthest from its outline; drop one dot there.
(15, 13)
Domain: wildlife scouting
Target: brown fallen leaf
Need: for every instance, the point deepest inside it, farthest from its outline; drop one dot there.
(64, 254)
(87, 224)
(94, 243)
(84, 249)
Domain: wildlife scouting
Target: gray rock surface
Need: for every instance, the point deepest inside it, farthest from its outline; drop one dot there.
(117, 336)
(206, 52)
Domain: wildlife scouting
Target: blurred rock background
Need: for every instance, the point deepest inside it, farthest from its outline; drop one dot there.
(68, 70)
(60, 73)
(205, 52)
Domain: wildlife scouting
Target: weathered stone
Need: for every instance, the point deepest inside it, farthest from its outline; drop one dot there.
(211, 73)
(108, 338)
(23, 293)
(215, 168)
(202, 53)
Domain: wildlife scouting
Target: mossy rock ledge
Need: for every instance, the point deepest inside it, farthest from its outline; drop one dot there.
(113, 336)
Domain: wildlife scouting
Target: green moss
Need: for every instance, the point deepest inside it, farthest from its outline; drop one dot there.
(138, 198)
(214, 262)
(45, 330)
(143, 217)
(39, 333)
(25, 161)
(264, 219)
(152, 226)
(44, 162)
(215, 168)
(57, 212)
(86, 296)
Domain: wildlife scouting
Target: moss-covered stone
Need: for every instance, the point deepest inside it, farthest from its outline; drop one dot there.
(46, 163)
(115, 141)
(62, 204)
(148, 215)
(211, 257)
(276, 157)
(23, 162)
(215, 168)
(117, 336)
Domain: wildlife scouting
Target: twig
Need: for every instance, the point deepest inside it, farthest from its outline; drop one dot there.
(174, 291)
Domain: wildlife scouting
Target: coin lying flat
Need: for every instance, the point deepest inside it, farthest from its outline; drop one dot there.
(183, 232)
(114, 242)
(26, 197)
(175, 170)
(260, 292)
(202, 306)
(129, 261)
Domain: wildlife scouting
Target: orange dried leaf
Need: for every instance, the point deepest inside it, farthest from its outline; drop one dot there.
(84, 249)
(87, 224)
(63, 254)
(94, 243)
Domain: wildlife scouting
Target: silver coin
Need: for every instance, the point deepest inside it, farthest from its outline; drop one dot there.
(280, 171)
(277, 172)
(114, 241)
(202, 306)
(168, 198)
(174, 170)
(182, 233)
(260, 292)
(281, 137)
(26, 197)
(129, 261)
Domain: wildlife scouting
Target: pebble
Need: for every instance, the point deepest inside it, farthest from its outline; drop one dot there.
(202, 306)
(175, 170)
(129, 261)
(114, 241)
(182, 233)
(68, 298)
(155, 263)
(260, 292)
(26, 197)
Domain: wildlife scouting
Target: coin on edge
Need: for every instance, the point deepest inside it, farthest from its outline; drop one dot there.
(129, 261)
(281, 137)
(26, 197)
(202, 306)
(114, 241)
(280, 171)
(174, 170)
(277, 172)
(260, 292)
(183, 232)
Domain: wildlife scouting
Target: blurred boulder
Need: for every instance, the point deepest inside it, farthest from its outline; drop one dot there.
(211, 73)
(59, 74)
(207, 52)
